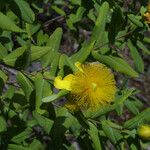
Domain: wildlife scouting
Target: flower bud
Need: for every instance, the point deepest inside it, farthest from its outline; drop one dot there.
(144, 131)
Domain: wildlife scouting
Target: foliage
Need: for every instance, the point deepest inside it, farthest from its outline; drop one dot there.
(32, 115)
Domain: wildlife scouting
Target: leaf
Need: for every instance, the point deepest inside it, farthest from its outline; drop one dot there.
(11, 58)
(66, 61)
(36, 145)
(115, 24)
(113, 134)
(54, 64)
(93, 132)
(44, 122)
(131, 107)
(17, 147)
(7, 24)
(143, 47)
(3, 79)
(3, 124)
(116, 63)
(54, 96)
(21, 137)
(135, 20)
(53, 42)
(120, 100)
(74, 18)
(99, 28)
(25, 84)
(3, 51)
(42, 89)
(38, 51)
(26, 12)
(83, 53)
(139, 64)
(137, 120)
(58, 10)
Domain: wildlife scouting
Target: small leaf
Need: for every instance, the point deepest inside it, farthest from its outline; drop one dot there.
(26, 12)
(53, 42)
(3, 124)
(93, 132)
(3, 51)
(143, 47)
(38, 51)
(11, 58)
(25, 84)
(83, 53)
(131, 107)
(55, 96)
(44, 122)
(137, 120)
(116, 63)
(7, 24)
(135, 20)
(74, 18)
(99, 28)
(21, 137)
(139, 64)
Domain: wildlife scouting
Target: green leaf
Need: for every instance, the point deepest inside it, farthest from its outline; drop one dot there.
(58, 10)
(39, 83)
(3, 124)
(42, 89)
(131, 107)
(143, 47)
(26, 12)
(3, 76)
(11, 58)
(21, 137)
(38, 51)
(116, 63)
(44, 122)
(115, 24)
(7, 24)
(55, 96)
(135, 20)
(137, 120)
(66, 61)
(54, 43)
(3, 51)
(74, 18)
(113, 134)
(54, 64)
(17, 147)
(120, 100)
(93, 132)
(9, 93)
(25, 84)
(83, 53)
(99, 28)
(36, 145)
(139, 64)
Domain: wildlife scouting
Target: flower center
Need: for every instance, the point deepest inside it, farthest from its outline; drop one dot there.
(94, 86)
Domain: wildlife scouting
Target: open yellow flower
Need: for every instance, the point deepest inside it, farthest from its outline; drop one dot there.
(147, 15)
(92, 86)
(144, 131)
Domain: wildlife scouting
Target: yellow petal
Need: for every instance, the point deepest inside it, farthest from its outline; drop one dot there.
(79, 66)
(64, 83)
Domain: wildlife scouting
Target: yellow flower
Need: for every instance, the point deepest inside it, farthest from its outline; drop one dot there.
(147, 17)
(92, 86)
(144, 131)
